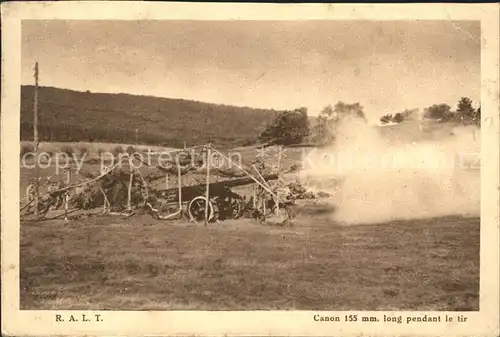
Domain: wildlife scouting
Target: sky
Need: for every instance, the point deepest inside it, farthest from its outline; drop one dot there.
(386, 66)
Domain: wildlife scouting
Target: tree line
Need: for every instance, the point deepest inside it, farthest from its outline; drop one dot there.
(293, 127)
(464, 113)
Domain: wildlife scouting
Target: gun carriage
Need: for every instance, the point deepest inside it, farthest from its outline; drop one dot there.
(130, 191)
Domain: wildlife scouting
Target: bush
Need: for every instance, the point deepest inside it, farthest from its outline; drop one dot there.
(117, 150)
(130, 150)
(83, 150)
(26, 149)
(438, 111)
(289, 127)
(47, 155)
(67, 150)
(398, 118)
(386, 118)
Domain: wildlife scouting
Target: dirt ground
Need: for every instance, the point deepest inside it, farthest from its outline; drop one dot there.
(109, 263)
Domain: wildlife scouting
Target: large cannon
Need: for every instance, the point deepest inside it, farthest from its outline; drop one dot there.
(223, 203)
(122, 191)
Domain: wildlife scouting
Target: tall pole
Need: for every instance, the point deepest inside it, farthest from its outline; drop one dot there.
(179, 185)
(66, 194)
(278, 185)
(35, 137)
(129, 195)
(207, 192)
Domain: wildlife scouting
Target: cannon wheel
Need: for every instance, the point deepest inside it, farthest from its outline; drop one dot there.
(30, 192)
(196, 209)
(236, 207)
(229, 206)
(57, 201)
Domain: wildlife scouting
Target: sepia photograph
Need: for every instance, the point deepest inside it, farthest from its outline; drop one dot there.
(232, 165)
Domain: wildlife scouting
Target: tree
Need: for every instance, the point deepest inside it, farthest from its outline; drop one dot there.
(327, 112)
(289, 127)
(398, 118)
(386, 119)
(465, 111)
(342, 109)
(323, 132)
(327, 120)
(438, 111)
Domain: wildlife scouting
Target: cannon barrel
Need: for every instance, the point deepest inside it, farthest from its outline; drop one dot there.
(216, 188)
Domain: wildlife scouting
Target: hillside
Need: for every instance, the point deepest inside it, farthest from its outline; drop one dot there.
(70, 116)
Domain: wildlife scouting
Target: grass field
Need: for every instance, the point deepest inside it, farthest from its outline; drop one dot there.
(141, 263)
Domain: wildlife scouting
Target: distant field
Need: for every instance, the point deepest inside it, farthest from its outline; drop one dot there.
(93, 148)
(144, 264)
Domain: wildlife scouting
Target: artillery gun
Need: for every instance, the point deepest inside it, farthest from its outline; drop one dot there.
(129, 190)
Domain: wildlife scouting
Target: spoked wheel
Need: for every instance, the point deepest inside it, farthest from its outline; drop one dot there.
(30, 192)
(196, 209)
(236, 205)
(57, 201)
(230, 207)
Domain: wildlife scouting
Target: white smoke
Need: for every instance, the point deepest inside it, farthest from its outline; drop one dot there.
(375, 179)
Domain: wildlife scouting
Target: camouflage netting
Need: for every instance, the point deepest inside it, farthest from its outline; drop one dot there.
(115, 188)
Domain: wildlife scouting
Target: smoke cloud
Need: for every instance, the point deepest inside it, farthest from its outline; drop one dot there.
(406, 172)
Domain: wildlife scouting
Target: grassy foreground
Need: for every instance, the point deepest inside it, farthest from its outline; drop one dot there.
(143, 264)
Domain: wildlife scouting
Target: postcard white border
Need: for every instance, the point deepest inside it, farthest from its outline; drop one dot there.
(249, 323)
